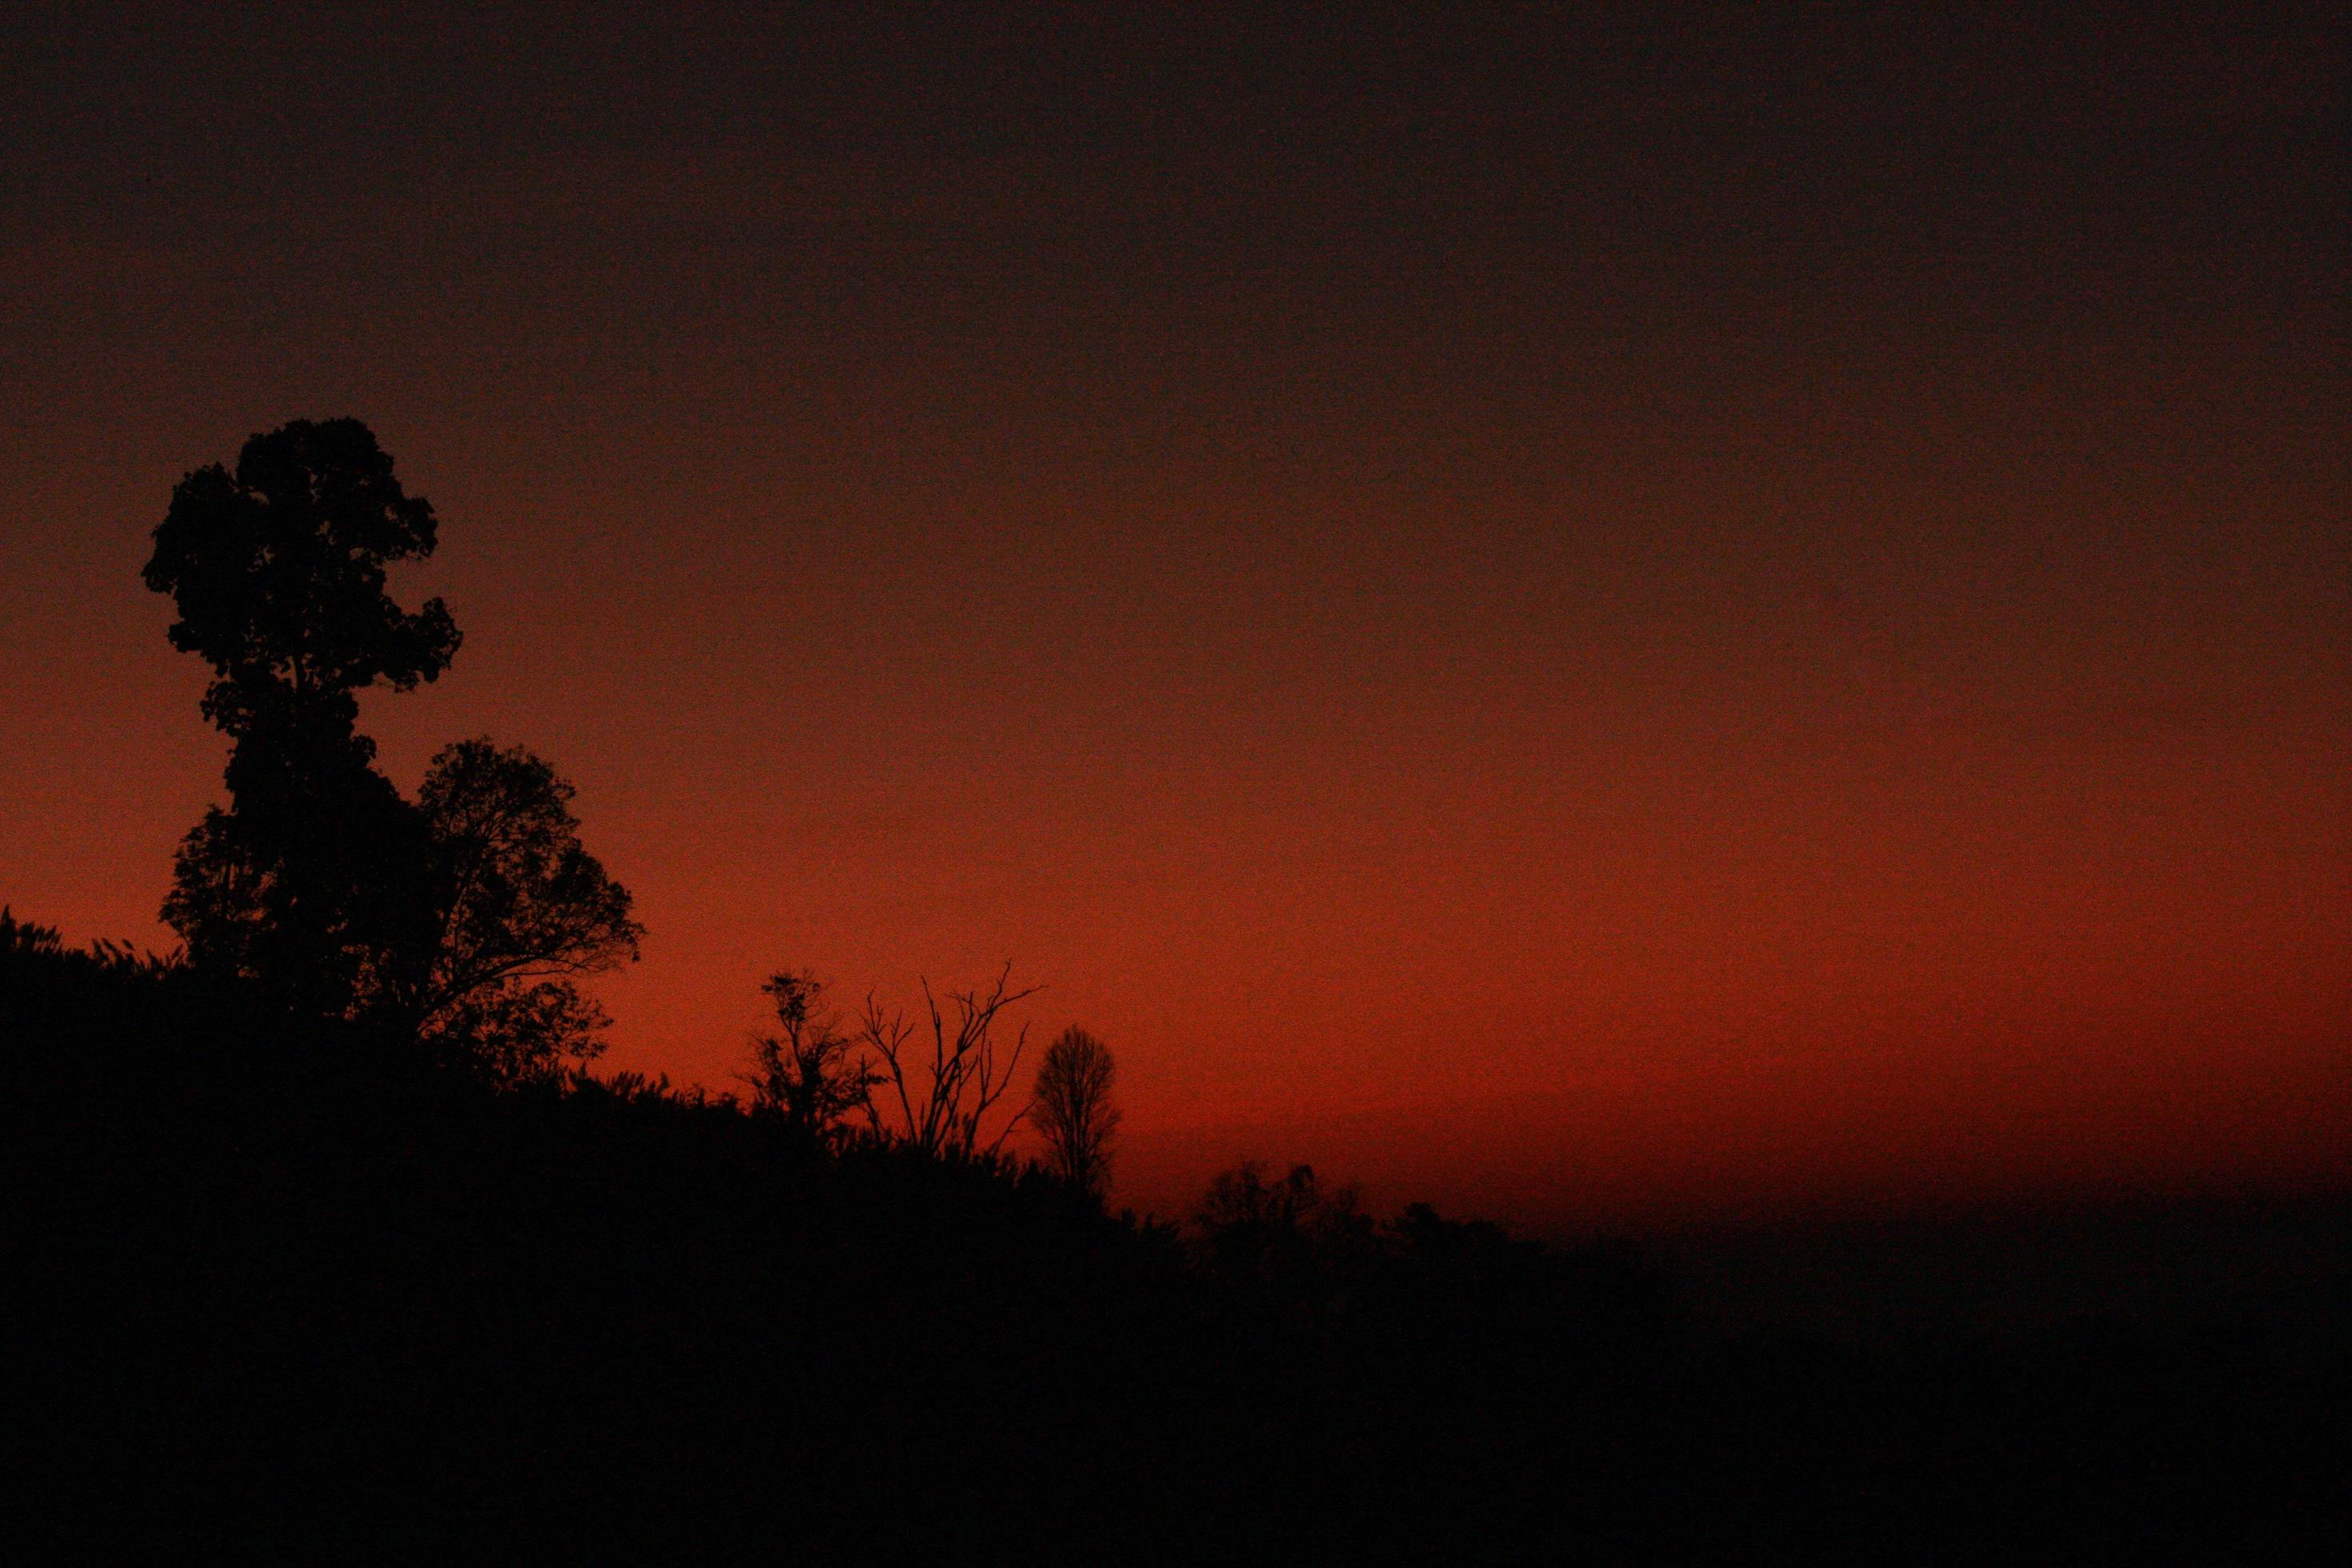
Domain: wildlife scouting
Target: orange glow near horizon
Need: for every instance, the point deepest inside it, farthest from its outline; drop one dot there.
(1433, 853)
(1785, 699)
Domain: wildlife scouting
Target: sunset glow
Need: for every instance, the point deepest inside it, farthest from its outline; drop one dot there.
(1631, 653)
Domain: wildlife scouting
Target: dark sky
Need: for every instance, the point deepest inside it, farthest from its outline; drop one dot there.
(1581, 613)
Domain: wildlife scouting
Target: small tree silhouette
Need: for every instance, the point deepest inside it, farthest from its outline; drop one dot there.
(939, 1106)
(809, 1073)
(522, 913)
(1072, 1109)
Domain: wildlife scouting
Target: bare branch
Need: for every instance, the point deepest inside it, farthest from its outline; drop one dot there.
(967, 1078)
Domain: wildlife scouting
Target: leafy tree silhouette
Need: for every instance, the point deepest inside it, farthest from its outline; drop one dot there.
(307, 883)
(522, 912)
(1072, 1110)
(465, 920)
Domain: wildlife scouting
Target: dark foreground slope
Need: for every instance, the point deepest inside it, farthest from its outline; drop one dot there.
(279, 1288)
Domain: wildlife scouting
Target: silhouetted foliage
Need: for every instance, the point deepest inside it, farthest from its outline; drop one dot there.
(522, 912)
(270, 1265)
(320, 900)
(306, 884)
(809, 1073)
(24, 943)
(278, 575)
(322, 1299)
(1292, 1234)
(941, 1107)
(1073, 1112)
(26, 949)
(464, 922)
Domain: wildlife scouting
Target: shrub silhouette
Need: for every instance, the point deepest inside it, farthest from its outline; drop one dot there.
(809, 1074)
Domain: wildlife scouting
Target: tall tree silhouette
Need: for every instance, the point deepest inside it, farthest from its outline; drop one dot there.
(308, 883)
(465, 920)
(1072, 1109)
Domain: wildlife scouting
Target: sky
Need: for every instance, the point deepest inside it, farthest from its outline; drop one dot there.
(1634, 614)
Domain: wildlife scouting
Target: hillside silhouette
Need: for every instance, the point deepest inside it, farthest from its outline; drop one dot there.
(326, 1237)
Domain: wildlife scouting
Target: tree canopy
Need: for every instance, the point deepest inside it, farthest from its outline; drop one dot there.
(308, 883)
(464, 919)
(277, 570)
(522, 913)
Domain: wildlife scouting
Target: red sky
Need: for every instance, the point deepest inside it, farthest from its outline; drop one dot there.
(1586, 624)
